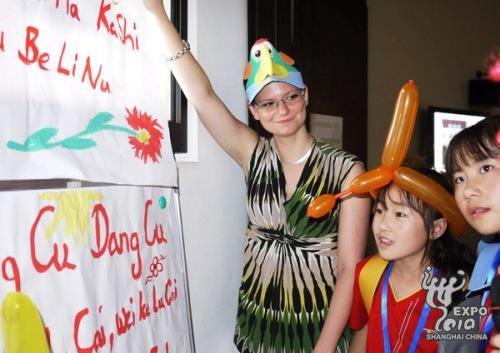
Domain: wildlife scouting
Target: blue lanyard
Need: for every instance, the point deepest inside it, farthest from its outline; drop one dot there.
(385, 325)
(488, 326)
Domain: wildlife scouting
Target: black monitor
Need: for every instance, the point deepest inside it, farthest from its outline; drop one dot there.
(443, 124)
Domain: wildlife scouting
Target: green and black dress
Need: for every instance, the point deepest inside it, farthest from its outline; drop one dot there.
(290, 260)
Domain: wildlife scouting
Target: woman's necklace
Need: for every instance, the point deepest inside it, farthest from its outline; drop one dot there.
(298, 161)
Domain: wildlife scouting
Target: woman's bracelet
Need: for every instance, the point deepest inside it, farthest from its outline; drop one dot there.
(181, 52)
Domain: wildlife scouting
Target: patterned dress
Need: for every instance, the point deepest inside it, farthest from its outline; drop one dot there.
(290, 260)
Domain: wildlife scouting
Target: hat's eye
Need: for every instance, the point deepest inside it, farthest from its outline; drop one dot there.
(269, 48)
(256, 54)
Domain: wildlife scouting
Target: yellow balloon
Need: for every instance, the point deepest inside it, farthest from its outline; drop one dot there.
(22, 327)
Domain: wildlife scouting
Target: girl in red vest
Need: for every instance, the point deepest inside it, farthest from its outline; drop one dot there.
(411, 237)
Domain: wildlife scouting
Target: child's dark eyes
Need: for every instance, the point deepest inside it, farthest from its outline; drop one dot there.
(485, 168)
(458, 180)
(377, 210)
(400, 214)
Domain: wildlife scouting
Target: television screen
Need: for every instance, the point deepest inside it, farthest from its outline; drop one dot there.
(446, 123)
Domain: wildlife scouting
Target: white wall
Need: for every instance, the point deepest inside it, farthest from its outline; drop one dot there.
(438, 43)
(213, 189)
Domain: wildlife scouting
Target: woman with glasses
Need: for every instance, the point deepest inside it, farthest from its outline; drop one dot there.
(295, 295)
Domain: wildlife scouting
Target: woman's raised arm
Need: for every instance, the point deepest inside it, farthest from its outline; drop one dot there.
(236, 138)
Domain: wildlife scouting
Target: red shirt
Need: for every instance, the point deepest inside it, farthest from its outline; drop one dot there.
(403, 316)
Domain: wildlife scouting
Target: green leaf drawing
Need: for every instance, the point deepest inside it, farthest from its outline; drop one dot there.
(39, 140)
(17, 146)
(41, 137)
(97, 122)
(76, 143)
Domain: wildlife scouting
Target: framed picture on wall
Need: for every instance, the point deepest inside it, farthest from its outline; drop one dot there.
(443, 124)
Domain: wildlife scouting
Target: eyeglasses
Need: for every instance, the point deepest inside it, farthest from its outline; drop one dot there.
(272, 104)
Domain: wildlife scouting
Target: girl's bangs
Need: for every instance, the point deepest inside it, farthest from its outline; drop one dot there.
(466, 148)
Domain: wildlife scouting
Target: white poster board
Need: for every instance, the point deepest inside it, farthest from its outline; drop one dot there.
(84, 93)
(104, 266)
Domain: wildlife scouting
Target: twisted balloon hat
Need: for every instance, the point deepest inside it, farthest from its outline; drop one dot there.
(22, 327)
(395, 148)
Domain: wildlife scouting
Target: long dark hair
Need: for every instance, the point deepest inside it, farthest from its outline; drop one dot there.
(445, 252)
(475, 143)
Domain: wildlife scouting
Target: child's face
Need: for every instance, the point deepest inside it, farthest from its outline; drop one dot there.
(477, 192)
(399, 230)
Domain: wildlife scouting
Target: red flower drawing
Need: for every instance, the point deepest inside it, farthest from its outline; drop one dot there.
(147, 142)
(156, 267)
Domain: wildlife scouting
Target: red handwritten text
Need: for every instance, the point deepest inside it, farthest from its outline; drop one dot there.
(155, 348)
(113, 243)
(71, 9)
(67, 67)
(2, 43)
(10, 272)
(143, 308)
(54, 260)
(117, 26)
(118, 243)
(125, 319)
(99, 340)
(158, 235)
(169, 296)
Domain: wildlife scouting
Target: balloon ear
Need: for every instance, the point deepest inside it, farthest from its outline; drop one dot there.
(321, 206)
(401, 130)
(434, 195)
(248, 70)
(286, 58)
(372, 180)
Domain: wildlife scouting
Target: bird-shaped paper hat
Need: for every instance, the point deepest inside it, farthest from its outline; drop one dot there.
(267, 65)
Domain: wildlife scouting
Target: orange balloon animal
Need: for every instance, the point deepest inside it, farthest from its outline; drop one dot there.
(396, 145)
(394, 153)
(363, 183)
(401, 130)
